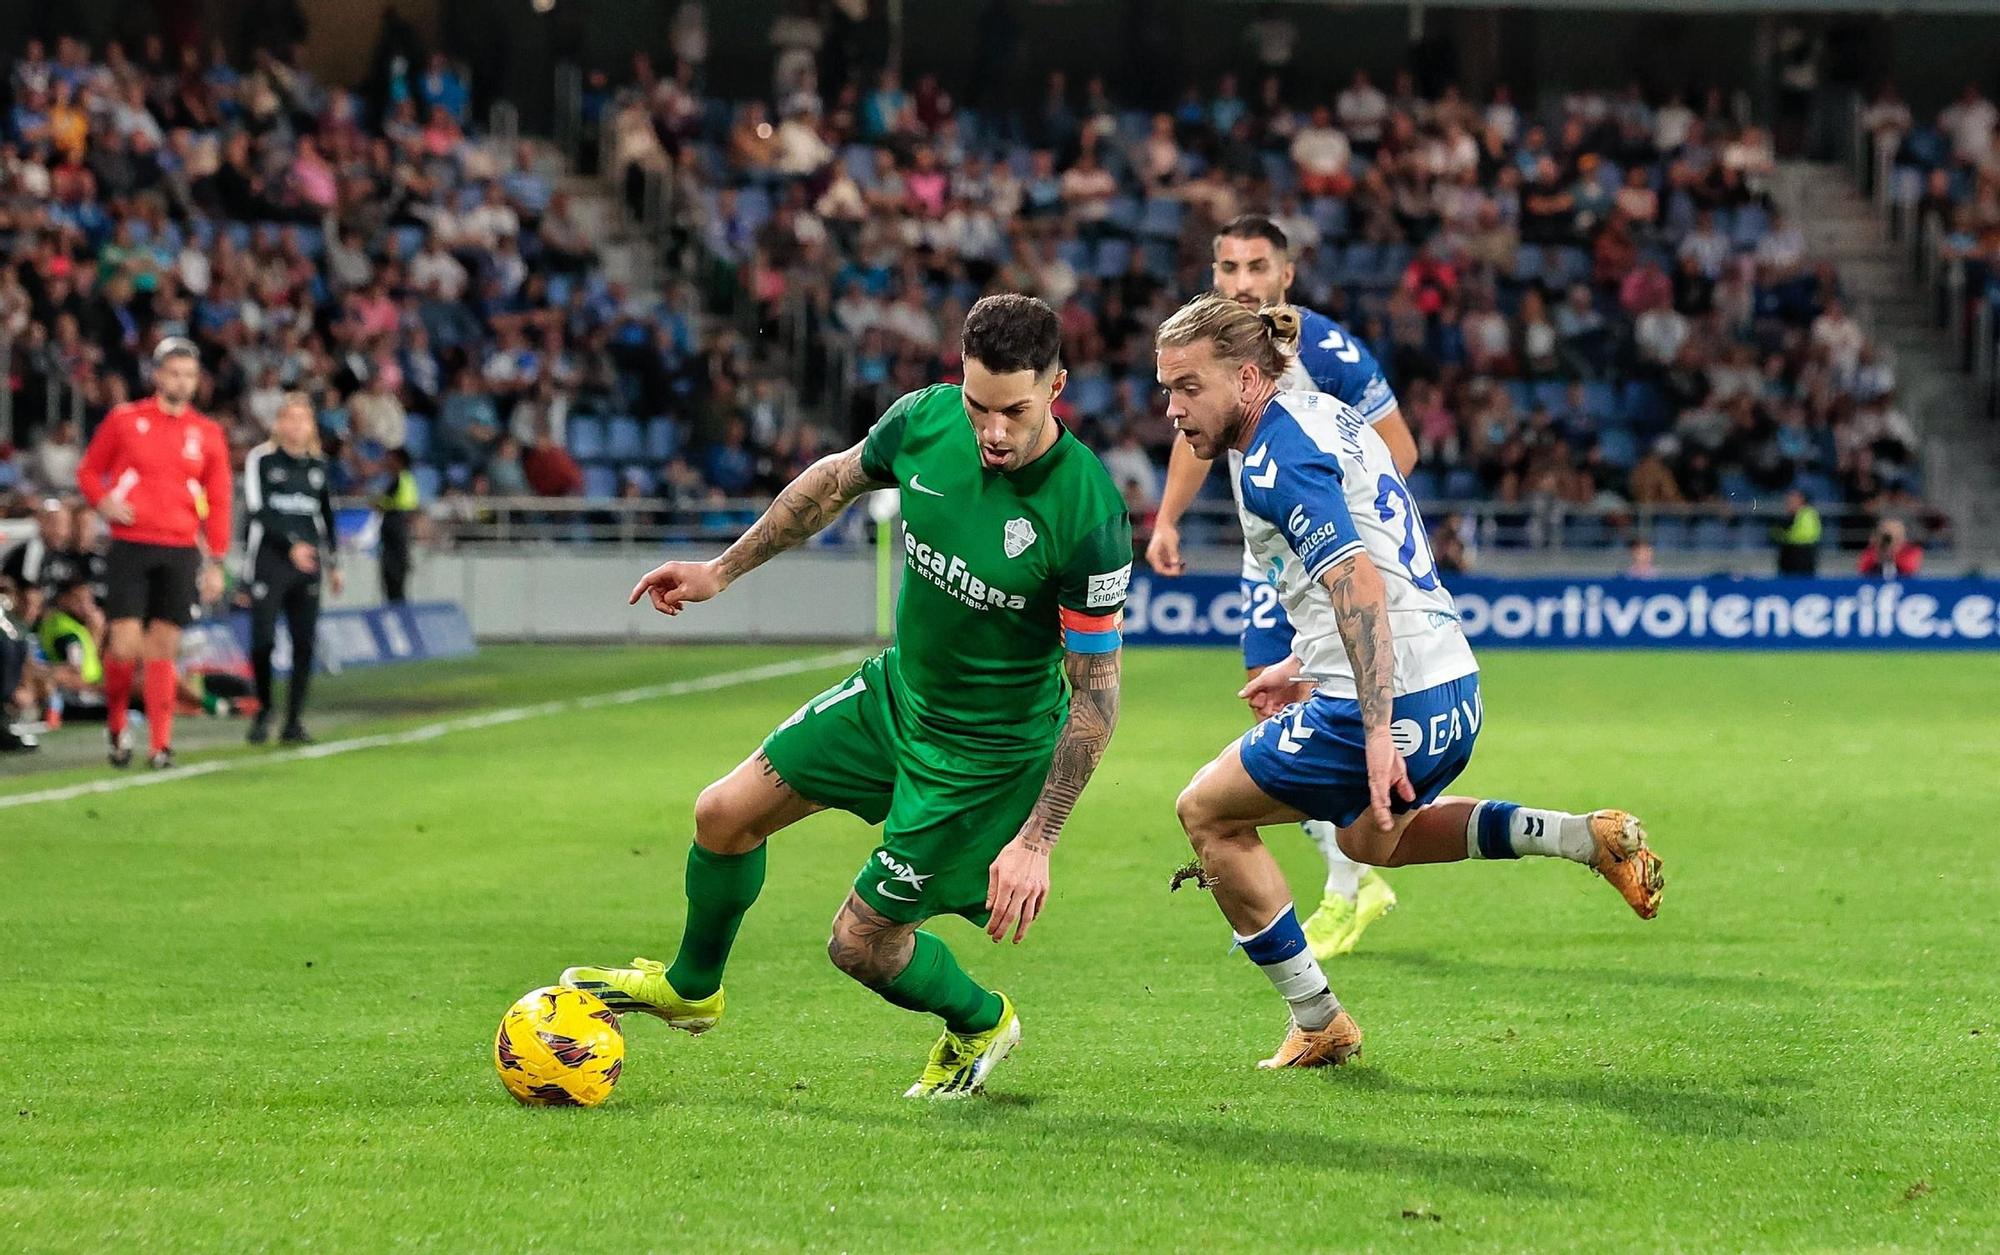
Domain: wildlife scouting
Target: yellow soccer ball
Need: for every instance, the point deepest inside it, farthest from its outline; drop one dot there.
(559, 1047)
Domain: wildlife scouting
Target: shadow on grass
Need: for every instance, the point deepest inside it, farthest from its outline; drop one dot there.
(1706, 982)
(1041, 1120)
(1760, 1109)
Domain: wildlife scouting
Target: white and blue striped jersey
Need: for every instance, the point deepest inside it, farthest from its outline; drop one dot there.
(1334, 362)
(1316, 486)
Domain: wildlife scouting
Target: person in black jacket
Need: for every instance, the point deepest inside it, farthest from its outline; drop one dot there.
(290, 508)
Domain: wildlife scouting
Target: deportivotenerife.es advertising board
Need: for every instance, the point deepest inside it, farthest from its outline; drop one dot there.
(1714, 613)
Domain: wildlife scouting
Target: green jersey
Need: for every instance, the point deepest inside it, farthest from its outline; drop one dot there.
(1001, 570)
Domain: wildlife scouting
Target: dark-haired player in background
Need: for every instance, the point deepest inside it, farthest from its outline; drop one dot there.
(968, 739)
(158, 471)
(291, 538)
(1253, 267)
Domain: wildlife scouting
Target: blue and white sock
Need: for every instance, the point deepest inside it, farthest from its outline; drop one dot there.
(1511, 830)
(1281, 953)
(1343, 874)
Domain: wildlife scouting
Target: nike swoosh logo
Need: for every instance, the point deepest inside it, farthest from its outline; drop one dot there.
(884, 891)
(916, 485)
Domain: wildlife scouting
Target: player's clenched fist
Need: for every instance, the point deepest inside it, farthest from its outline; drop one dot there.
(672, 585)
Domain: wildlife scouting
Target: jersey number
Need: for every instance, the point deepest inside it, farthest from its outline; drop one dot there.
(1391, 495)
(1263, 608)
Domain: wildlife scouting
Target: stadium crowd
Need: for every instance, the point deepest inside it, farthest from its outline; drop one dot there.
(1585, 302)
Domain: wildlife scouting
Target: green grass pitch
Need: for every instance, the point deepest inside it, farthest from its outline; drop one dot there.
(254, 1010)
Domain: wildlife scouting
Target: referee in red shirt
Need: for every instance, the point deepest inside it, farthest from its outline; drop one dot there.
(158, 471)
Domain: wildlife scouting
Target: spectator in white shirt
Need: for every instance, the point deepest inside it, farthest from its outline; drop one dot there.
(1709, 247)
(1840, 336)
(1501, 115)
(1129, 463)
(1672, 125)
(1969, 122)
(56, 457)
(1660, 332)
(1362, 110)
(1887, 118)
(1321, 153)
(435, 270)
(801, 150)
(491, 219)
(1782, 250)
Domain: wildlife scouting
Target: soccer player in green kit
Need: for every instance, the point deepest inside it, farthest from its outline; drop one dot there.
(968, 740)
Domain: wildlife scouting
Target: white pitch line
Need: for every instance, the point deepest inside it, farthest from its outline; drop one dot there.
(432, 731)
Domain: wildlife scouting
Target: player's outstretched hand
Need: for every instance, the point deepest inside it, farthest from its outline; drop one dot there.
(1388, 776)
(1273, 688)
(672, 585)
(1017, 887)
(117, 510)
(1163, 551)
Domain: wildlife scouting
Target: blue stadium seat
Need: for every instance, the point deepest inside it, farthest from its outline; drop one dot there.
(1423, 484)
(1113, 256)
(458, 475)
(1670, 533)
(1643, 405)
(1522, 394)
(1585, 532)
(1552, 393)
(1161, 218)
(406, 241)
(1751, 225)
(1735, 485)
(1330, 216)
(600, 481)
(1600, 397)
(1621, 448)
(860, 162)
(586, 437)
(238, 233)
(1709, 534)
(1091, 392)
(663, 439)
(1358, 263)
(1817, 487)
(624, 440)
(1124, 214)
(1075, 252)
(642, 475)
(428, 481)
(1462, 484)
(417, 437)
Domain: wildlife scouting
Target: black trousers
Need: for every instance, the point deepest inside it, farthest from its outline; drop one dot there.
(282, 589)
(392, 546)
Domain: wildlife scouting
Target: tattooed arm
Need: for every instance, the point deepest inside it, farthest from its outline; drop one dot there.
(802, 509)
(1018, 884)
(1361, 610)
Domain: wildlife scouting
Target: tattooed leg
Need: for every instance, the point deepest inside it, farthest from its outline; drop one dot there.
(909, 968)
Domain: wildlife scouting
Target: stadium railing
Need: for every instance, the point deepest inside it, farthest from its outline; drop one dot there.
(1530, 527)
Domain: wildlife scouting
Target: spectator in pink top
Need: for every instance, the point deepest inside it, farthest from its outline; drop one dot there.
(926, 186)
(313, 178)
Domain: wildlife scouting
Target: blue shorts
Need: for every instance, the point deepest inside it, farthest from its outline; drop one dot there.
(1267, 633)
(1311, 755)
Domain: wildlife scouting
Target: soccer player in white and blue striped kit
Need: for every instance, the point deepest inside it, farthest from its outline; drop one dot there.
(1395, 707)
(1252, 265)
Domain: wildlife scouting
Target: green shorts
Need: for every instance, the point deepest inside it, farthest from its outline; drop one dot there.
(946, 812)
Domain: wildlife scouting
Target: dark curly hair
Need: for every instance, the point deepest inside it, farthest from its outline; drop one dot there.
(1011, 332)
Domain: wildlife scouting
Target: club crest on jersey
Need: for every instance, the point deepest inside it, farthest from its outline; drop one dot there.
(191, 446)
(317, 478)
(1019, 535)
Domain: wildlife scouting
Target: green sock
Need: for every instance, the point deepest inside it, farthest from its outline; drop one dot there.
(935, 983)
(720, 889)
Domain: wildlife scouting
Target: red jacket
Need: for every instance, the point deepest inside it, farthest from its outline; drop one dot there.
(172, 469)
